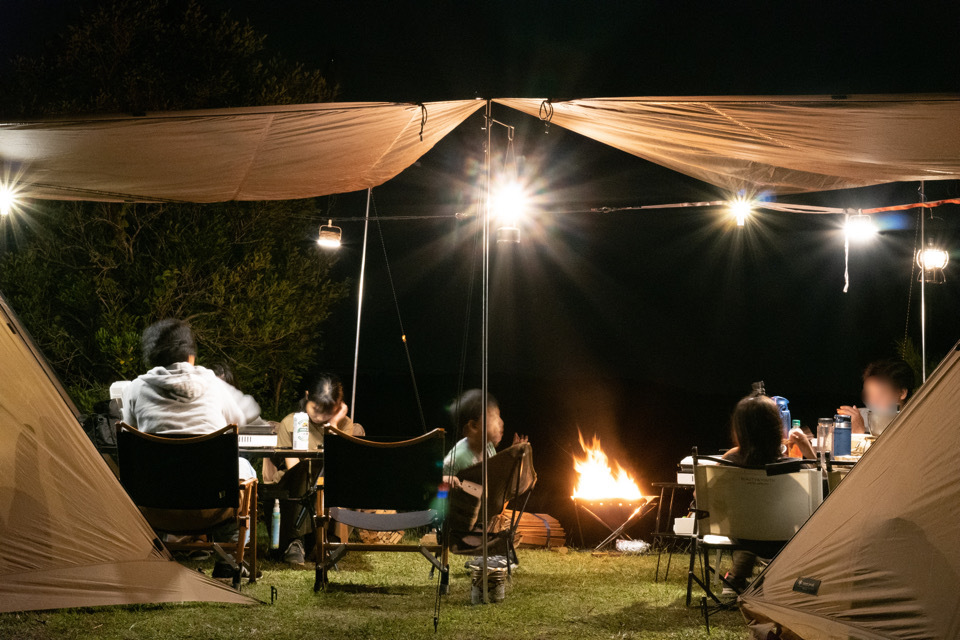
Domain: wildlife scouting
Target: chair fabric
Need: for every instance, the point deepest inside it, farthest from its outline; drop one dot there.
(189, 486)
(365, 474)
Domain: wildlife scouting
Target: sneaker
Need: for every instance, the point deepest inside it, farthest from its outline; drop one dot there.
(733, 585)
(295, 554)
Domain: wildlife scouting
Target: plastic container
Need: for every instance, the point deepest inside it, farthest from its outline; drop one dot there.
(301, 431)
(784, 406)
(275, 526)
(842, 436)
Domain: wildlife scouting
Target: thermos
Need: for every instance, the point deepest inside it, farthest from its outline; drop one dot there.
(842, 435)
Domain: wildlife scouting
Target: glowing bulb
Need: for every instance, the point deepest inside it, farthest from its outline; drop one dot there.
(8, 199)
(329, 237)
(932, 258)
(508, 204)
(860, 228)
(741, 210)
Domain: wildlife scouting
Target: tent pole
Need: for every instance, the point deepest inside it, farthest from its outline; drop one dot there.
(923, 293)
(484, 339)
(363, 268)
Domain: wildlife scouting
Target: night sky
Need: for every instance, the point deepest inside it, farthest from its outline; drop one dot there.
(643, 327)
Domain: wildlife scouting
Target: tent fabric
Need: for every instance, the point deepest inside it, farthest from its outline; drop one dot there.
(256, 153)
(69, 535)
(883, 546)
(774, 144)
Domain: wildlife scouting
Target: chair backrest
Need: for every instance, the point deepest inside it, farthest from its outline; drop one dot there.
(749, 504)
(362, 473)
(196, 472)
(510, 474)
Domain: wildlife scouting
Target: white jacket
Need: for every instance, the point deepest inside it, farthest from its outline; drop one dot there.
(185, 399)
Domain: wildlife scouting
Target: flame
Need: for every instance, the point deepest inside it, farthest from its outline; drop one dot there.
(597, 481)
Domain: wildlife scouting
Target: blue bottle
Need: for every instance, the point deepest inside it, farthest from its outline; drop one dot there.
(842, 435)
(783, 406)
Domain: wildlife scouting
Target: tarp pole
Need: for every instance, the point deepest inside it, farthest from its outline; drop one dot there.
(363, 268)
(484, 335)
(923, 292)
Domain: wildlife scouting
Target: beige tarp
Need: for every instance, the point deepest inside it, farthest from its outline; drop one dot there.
(777, 144)
(256, 153)
(883, 546)
(69, 535)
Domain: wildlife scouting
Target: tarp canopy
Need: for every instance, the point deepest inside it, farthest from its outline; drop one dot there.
(256, 153)
(69, 535)
(879, 558)
(774, 144)
(765, 143)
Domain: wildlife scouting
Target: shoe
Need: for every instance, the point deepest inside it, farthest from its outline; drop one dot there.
(733, 585)
(295, 554)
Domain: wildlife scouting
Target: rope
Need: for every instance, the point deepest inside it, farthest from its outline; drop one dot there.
(423, 118)
(403, 333)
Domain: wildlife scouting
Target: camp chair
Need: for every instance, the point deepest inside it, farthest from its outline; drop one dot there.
(189, 486)
(511, 476)
(735, 503)
(361, 475)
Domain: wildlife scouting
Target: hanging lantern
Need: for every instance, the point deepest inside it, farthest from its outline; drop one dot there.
(932, 261)
(329, 237)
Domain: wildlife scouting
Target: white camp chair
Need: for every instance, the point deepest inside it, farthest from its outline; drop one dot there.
(741, 503)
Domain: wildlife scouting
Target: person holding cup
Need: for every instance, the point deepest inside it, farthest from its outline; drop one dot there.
(887, 385)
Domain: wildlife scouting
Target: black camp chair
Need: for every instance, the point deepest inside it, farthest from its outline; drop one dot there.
(189, 486)
(362, 475)
(511, 477)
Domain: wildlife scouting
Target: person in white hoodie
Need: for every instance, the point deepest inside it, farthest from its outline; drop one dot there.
(177, 397)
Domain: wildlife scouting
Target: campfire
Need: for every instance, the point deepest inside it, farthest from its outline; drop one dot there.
(605, 491)
(598, 482)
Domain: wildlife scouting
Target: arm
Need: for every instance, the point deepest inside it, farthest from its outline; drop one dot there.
(799, 438)
(856, 419)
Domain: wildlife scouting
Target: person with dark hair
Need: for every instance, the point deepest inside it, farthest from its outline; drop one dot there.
(176, 396)
(223, 371)
(467, 415)
(758, 437)
(887, 385)
(324, 405)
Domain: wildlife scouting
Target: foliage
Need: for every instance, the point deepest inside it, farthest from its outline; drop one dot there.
(88, 277)
(247, 277)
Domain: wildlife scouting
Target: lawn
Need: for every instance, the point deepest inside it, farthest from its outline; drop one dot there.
(552, 595)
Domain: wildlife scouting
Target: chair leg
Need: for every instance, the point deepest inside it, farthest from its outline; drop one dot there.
(254, 508)
(690, 576)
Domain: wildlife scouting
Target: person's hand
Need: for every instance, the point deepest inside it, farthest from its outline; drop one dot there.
(519, 439)
(453, 481)
(339, 415)
(798, 438)
(856, 420)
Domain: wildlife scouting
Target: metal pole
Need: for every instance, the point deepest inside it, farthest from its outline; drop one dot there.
(363, 268)
(923, 295)
(484, 334)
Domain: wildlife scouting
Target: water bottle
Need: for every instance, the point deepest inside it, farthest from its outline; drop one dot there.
(782, 405)
(275, 526)
(842, 435)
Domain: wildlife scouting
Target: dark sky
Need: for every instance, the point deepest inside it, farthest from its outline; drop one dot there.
(620, 323)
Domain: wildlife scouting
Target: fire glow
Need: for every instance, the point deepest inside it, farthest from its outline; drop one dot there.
(597, 480)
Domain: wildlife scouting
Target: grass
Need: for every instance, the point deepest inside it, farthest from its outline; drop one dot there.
(552, 595)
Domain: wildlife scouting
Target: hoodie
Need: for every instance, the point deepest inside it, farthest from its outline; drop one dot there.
(185, 399)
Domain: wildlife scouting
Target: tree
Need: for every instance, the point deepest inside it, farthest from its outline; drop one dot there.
(87, 278)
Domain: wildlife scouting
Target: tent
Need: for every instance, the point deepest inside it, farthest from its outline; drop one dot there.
(879, 558)
(73, 538)
(69, 535)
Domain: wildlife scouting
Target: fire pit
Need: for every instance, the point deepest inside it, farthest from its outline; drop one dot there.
(607, 494)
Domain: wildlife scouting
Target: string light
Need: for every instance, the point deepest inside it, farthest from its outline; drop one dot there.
(330, 235)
